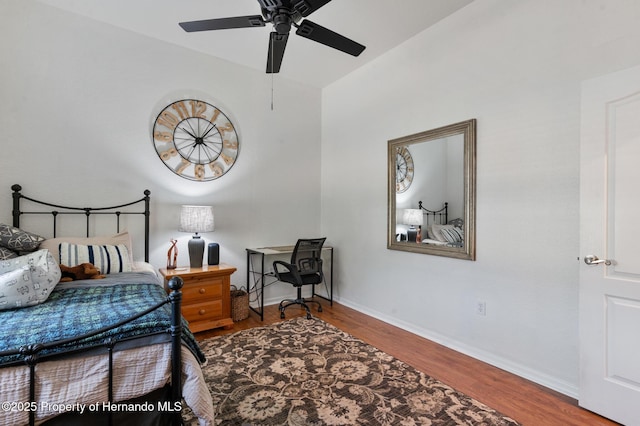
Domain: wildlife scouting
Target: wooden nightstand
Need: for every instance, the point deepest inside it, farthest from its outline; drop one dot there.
(206, 297)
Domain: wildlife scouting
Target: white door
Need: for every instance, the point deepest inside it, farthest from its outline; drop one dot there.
(610, 231)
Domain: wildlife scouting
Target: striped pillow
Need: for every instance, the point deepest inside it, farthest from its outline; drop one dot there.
(108, 259)
(447, 233)
(452, 235)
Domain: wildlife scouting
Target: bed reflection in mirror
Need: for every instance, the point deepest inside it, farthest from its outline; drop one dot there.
(431, 201)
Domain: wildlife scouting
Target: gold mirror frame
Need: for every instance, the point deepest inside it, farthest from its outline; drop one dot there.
(468, 250)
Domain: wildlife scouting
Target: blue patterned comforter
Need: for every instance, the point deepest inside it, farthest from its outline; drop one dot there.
(76, 310)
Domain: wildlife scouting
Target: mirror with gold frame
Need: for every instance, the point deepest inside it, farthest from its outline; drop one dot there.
(431, 191)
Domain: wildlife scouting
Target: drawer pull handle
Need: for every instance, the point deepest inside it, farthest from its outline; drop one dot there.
(202, 312)
(202, 291)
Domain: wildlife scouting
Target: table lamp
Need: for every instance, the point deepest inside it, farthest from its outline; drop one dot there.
(413, 218)
(196, 219)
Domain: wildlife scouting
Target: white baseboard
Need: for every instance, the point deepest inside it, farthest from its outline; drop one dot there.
(538, 377)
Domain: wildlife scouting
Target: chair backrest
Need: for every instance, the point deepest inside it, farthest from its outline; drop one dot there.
(306, 255)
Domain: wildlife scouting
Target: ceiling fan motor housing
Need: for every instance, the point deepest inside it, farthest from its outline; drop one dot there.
(282, 23)
(291, 7)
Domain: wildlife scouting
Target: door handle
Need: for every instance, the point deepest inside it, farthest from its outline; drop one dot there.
(593, 260)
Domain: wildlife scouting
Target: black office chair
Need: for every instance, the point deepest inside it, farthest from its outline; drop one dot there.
(305, 269)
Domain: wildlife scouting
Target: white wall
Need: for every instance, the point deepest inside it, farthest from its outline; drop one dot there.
(78, 98)
(515, 66)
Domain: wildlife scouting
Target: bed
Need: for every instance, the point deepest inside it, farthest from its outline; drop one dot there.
(441, 231)
(83, 351)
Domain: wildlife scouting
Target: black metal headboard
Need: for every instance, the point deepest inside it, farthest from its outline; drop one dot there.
(87, 211)
(442, 215)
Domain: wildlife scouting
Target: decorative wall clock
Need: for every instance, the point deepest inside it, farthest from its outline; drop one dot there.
(404, 169)
(195, 140)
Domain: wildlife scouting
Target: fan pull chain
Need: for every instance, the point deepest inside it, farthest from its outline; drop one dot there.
(272, 55)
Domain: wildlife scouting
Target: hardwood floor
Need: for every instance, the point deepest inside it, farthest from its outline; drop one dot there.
(522, 400)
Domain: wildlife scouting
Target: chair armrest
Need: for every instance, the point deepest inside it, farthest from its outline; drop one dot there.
(289, 268)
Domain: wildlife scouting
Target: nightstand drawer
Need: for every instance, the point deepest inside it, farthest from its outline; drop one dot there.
(203, 311)
(202, 289)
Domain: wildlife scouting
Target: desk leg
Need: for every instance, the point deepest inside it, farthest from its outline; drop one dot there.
(262, 287)
(330, 289)
(331, 295)
(260, 282)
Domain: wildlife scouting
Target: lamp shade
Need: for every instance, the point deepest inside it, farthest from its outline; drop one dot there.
(196, 219)
(412, 217)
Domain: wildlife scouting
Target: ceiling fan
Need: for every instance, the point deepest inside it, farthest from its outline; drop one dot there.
(282, 14)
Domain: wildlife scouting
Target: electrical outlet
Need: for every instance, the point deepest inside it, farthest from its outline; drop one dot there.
(481, 308)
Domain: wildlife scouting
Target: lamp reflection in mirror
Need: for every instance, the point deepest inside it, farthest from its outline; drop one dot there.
(196, 219)
(413, 218)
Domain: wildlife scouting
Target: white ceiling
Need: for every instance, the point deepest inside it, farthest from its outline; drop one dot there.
(380, 25)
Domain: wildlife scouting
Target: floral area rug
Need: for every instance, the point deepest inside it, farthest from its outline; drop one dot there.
(305, 372)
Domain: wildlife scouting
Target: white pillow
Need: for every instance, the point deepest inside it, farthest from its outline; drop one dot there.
(109, 259)
(16, 289)
(43, 275)
(430, 234)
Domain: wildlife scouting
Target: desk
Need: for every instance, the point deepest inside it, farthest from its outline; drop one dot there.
(257, 278)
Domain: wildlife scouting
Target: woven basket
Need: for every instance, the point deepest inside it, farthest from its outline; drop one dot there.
(239, 304)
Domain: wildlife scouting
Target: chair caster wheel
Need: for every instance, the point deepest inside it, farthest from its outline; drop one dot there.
(282, 315)
(319, 308)
(308, 316)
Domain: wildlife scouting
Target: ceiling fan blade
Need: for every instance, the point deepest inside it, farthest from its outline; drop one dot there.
(277, 44)
(223, 23)
(323, 35)
(307, 7)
